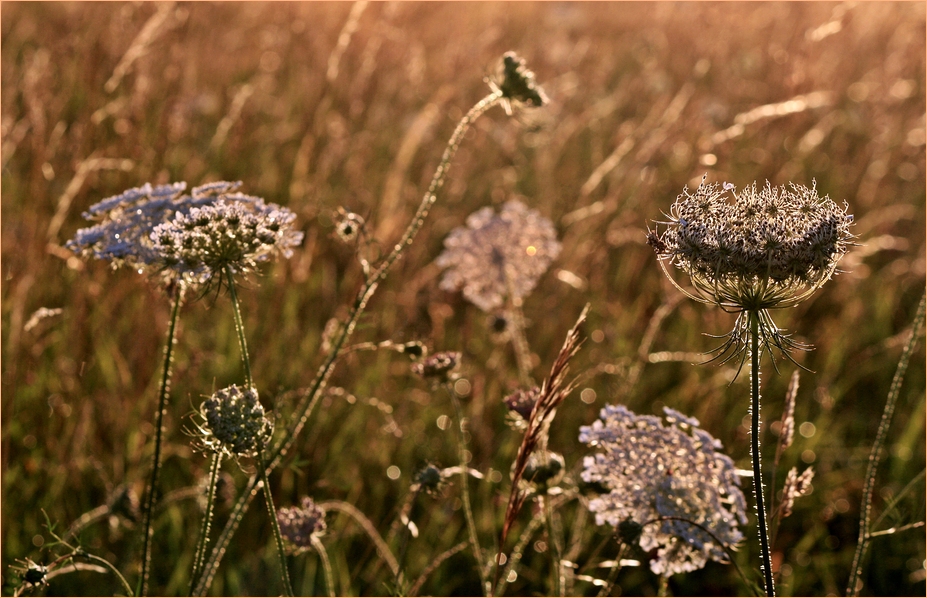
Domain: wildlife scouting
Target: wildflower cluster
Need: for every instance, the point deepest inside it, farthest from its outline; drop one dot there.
(298, 525)
(234, 423)
(193, 235)
(770, 248)
(498, 255)
(664, 478)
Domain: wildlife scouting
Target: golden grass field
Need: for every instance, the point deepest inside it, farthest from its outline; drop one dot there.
(646, 98)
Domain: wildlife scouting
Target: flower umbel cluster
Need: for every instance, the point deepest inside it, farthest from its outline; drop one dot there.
(665, 479)
(498, 255)
(234, 423)
(766, 249)
(298, 525)
(192, 235)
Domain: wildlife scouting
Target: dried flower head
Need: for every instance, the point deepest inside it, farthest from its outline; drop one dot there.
(438, 366)
(234, 423)
(191, 235)
(665, 478)
(753, 251)
(517, 84)
(298, 525)
(498, 255)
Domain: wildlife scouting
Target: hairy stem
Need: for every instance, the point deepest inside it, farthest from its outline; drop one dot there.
(307, 404)
(755, 451)
(465, 489)
(875, 456)
(326, 565)
(239, 327)
(163, 392)
(272, 513)
(207, 519)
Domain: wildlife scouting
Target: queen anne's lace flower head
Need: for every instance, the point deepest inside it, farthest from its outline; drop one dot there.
(498, 255)
(233, 423)
(768, 248)
(660, 478)
(191, 235)
(299, 525)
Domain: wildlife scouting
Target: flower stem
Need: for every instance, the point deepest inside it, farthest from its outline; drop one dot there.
(163, 393)
(875, 456)
(755, 450)
(465, 489)
(272, 513)
(307, 404)
(207, 519)
(326, 565)
(239, 327)
(555, 550)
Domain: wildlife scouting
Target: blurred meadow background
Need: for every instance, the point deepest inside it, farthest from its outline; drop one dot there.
(645, 99)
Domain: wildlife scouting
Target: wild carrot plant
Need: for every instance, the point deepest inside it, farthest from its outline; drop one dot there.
(749, 253)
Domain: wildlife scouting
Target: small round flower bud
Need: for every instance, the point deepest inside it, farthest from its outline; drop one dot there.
(234, 422)
(414, 349)
(523, 401)
(630, 531)
(438, 366)
(544, 468)
(429, 479)
(348, 225)
(299, 524)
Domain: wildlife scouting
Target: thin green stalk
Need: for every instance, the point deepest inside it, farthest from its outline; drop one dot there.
(755, 450)
(516, 554)
(307, 405)
(163, 392)
(613, 572)
(207, 519)
(465, 490)
(368, 527)
(239, 327)
(326, 565)
(555, 551)
(272, 513)
(875, 456)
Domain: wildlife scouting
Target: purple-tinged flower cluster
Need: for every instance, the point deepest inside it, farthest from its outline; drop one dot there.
(661, 478)
(298, 525)
(191, 235)
(234, 423)
(498, 256)
(237, 232)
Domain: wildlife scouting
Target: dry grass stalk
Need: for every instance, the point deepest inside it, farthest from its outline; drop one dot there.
(553, 392)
